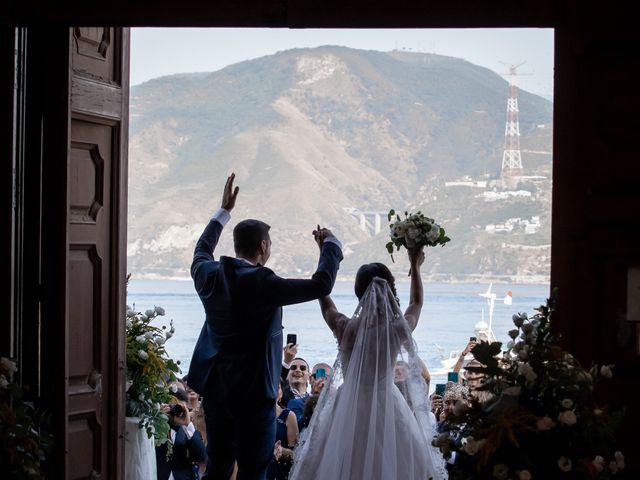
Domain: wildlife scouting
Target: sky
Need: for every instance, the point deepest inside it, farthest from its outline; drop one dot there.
(157, 52)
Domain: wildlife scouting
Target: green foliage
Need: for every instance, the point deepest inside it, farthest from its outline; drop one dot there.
(24, 437)
(538, 417)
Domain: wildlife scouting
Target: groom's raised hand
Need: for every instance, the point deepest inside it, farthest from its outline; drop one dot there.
(230, 194)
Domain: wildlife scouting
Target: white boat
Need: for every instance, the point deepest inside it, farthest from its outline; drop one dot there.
(482, 331)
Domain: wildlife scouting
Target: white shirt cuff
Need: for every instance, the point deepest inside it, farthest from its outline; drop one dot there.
(286, 365)
(221, 215)
(333, 239)
(191, 429)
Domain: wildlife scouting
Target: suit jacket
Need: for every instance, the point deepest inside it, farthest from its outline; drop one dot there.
(185, 452)
(239, 351)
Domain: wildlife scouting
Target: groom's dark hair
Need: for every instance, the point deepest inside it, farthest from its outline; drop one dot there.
(367, 272)
(247, 236)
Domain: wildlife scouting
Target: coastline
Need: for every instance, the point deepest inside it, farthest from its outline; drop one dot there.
(432, 278)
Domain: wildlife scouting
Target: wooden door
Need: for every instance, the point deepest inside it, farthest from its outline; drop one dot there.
(96, 255)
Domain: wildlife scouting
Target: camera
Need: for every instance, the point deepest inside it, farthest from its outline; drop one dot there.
(177, 410)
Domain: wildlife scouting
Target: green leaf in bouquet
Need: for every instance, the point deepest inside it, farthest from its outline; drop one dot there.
(389, 246)
(391, 213)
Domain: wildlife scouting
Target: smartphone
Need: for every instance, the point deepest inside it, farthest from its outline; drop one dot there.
(321, 373)
(452, 377)
(292, 338)
(473, 339)
(440, 389)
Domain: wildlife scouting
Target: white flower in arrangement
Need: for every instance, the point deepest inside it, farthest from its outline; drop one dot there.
(613, 467)
(514, 333)
(472, 446)
(150, 313)
(4, 383)
(143, 318)
(544, 424)
(412, 232)
(159, 310)
(159, 340)
(598, 463)
(567, 417)
(524, 475)
(527, 328)
(143, 355)
(528, 373)
(128, 385)
(173, 388)
(513, 391)
(128, 323)
(149, 335)
(606, 371)
(130, 312)
(518, 319)
(8, 365)
(567, 403)
(565, 464)
(500, 471)
(141, 338)
(619, 459)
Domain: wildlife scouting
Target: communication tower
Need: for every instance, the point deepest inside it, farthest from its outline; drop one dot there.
(511, 155)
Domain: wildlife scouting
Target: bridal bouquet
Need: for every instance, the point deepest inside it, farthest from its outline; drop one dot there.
(535, 415)
(149, 371)
(414, 231)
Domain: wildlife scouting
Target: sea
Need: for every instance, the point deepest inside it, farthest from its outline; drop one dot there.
(448, 317)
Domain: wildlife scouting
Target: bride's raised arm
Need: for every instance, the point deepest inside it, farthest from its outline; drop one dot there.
(416, 292)
(329, 312)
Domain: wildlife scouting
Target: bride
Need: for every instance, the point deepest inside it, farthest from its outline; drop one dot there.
(363, 427)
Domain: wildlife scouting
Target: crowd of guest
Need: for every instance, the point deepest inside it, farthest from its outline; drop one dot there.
(183, 456)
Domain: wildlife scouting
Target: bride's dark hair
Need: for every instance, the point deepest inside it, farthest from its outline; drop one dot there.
(368, 272)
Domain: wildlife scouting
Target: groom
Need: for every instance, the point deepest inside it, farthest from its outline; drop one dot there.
(237, 360)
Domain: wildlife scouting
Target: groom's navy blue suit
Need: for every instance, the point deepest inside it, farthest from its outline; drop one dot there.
(237, 360)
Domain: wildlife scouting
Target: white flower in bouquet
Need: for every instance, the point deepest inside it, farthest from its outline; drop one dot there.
(150, 313)
(141, 338)
(414, 231)
(159, 310)
(619, 459)
(159, 340)
(143, 355)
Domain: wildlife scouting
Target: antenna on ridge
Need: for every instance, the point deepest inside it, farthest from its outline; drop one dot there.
(511, 155)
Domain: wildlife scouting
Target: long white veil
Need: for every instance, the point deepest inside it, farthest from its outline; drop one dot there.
(363, 427)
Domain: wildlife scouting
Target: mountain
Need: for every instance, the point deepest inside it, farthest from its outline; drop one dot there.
(313, 134)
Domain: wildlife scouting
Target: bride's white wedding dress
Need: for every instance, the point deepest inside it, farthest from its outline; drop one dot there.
(363, 427)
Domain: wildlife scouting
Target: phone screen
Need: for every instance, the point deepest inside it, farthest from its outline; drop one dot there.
(292, 338)
(452, 377)
(321, 373)
(440, 389)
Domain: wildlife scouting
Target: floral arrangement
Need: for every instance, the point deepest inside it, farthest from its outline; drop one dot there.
(149, 372)
(414, 231)
(24, 439)
(534, 415)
